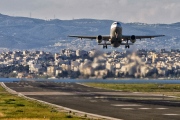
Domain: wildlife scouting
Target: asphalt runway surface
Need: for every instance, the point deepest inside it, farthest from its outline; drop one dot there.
(116, 104)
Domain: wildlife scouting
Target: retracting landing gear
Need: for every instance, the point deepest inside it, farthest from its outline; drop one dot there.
(127, 45)
(105, 45)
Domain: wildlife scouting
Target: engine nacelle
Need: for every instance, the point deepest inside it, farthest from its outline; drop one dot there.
(133, 39)
(99, 38)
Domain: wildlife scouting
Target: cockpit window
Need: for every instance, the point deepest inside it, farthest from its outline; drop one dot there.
(117, 23)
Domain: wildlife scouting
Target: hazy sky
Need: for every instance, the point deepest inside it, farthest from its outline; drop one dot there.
(147, 11)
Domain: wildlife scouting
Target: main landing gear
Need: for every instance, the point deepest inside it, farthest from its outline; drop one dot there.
(105, 45)
(127, 45)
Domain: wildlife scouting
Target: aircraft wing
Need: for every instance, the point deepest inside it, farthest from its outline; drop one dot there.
(128, 37)
(105, 37)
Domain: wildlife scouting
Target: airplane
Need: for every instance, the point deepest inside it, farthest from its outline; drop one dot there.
(116, 38)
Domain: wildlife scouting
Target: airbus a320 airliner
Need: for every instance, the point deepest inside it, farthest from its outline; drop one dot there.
(116, 38)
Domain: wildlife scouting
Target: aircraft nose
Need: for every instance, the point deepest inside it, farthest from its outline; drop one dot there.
(114, 26)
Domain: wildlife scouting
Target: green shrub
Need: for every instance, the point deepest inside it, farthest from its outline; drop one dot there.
(20, 105)
(69, 116)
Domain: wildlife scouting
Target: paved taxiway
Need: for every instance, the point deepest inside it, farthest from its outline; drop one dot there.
(116, 104)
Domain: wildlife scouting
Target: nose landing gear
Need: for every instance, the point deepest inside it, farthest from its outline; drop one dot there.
(127, 46)
(104, 46)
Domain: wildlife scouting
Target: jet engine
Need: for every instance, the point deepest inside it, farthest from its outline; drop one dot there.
(133, 39)
(99, 38)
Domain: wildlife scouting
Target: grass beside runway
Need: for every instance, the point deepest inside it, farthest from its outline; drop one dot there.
(167, 89)
(13, 107)
(2, 89)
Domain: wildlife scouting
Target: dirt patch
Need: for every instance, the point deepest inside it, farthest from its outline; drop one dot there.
(1, 115)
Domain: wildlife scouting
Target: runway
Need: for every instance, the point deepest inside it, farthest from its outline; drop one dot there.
(115, 104)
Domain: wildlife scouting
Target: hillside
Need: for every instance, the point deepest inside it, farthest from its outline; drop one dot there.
(29, 33)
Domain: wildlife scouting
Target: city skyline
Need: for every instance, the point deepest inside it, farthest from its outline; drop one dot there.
(153, 11)
(90, 64)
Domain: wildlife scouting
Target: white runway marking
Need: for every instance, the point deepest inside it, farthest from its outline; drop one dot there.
(122, 105)
(161, 108)
(100, 97)
(127, 108)
(145, 108)
(171, 114)
(136, 92)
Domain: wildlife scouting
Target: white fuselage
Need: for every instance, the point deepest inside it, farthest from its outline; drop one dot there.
(116, 34)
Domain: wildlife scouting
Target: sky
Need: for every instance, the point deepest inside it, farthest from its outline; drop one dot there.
(145, 11)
